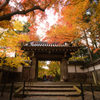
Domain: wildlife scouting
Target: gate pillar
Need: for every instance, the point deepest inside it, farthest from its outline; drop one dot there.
(36, 71)
(63, 70)
(33, 69)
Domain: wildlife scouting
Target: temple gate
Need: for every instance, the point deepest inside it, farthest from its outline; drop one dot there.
(42, 51)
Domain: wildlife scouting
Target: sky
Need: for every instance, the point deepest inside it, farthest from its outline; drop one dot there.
(43, 26)
(47, 63)
(45, 67)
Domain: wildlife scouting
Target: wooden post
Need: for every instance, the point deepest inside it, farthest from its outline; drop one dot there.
(89, 73)
(22, 72)
(92, 91)
(36, 71)
(95, 76)
(76, 72)
(11, 92)
(61, 71)
(23, 88)
(1, 76)
(64, 70)
(82, 93)
(95, 81)
(3, 89)
(33, 69)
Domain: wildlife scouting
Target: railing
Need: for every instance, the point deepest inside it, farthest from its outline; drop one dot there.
(91, 93)
(82, 92)
(11, 90)
(3, 88)
(23, 89)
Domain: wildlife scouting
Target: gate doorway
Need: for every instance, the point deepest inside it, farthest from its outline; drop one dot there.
(50, 69)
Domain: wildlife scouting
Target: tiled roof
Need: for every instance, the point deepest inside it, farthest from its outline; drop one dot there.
(41, 43)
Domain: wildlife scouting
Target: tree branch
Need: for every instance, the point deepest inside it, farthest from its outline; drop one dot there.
(8, 16)
(1, 34)
(4, 4)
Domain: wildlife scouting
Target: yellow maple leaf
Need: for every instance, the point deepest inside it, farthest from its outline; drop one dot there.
(18, 25)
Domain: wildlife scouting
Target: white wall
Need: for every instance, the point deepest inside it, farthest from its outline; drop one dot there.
(78, 69)
(91, 68)
(71, 69)
(97, 67)
(85, 70)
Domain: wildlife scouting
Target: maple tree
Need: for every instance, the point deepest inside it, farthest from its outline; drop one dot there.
(10, 9)
(79, 23)
(30, 8)
(41, 69)
(84, 14)
(30, 31)
(61, 33)
(32, 34)
(79, 20)
(13, 35)
(10, 46)
(54, 69)
(20, 7)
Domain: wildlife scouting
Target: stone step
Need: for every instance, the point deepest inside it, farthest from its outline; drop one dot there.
(50, 89)
(50, 86)
(52, 83)
(31, 93)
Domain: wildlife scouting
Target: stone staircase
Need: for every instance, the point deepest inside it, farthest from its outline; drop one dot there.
(49, 89)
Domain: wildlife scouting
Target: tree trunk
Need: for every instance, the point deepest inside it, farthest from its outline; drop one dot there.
(88, 47)
(95, 72)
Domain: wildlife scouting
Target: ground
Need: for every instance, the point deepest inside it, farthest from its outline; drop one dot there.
(87, 95)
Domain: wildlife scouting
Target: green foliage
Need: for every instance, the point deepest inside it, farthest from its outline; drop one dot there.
(41, 70)
(80, 55)
(26, 27)
(54, 69)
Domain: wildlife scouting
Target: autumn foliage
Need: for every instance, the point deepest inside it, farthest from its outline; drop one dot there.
(78, 23)
(10, 46)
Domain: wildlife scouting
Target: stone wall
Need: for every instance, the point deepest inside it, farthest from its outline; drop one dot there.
(11, 76)
(78, 77)
(25, 73)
